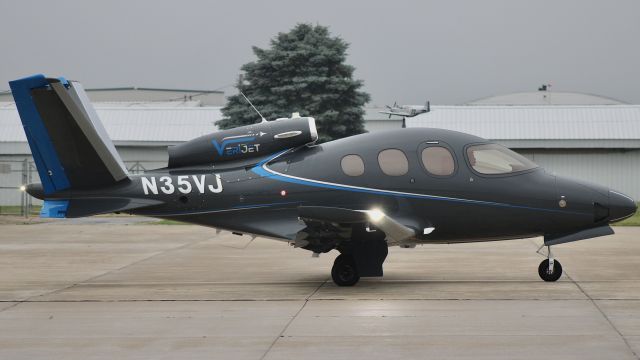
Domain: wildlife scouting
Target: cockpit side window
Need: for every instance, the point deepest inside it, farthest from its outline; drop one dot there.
(393, 162)
(494, 159)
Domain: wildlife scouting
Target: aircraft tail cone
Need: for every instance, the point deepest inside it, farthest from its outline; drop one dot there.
(35, 190)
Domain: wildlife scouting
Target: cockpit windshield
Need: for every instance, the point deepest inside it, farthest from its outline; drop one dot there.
(494, 159)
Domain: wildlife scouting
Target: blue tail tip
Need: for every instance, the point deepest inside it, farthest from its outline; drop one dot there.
(37, 78)
(54, 209)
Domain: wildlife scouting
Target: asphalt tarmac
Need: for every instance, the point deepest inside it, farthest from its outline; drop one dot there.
(115, 288)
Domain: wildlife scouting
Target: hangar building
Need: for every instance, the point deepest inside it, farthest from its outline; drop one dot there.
(133, 94)
(141, 135)
(578, 135)
(584, 136)
(596, 143)
(544, 97)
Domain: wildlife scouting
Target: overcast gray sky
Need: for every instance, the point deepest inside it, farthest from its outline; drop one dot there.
(447, 51)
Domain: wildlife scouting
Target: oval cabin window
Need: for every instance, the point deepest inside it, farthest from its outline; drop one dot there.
(438, 161)
(352, 165)
(393, 162)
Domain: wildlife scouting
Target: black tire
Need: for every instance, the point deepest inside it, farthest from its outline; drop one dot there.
(543, 270)
(344, 271)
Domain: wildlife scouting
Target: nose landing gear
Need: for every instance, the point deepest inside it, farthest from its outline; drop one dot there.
(549, 269)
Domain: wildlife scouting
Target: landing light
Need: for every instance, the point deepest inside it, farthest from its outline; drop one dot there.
(375, 215)
(23, 188)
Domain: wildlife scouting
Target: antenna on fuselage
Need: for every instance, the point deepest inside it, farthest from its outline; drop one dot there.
(254, 108)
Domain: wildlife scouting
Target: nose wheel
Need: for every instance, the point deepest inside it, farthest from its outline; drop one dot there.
(550, 269)
(344, 271)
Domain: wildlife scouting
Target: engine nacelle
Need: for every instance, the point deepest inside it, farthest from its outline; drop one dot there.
(244, 142)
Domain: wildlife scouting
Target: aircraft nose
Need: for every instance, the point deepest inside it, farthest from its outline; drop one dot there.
(621, 206)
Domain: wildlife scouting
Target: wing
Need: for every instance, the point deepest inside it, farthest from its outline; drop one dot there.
(396, 113)
(327, 225)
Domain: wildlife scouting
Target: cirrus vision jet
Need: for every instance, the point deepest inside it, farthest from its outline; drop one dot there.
(357, 195)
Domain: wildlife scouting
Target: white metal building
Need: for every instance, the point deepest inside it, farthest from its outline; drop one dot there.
(141, 136)
(375, 121)
(140, 130)
(596, 143)
(134, 95)
(546, 98)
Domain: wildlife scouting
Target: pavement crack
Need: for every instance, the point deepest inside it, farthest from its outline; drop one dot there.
(595, 304)
(604, 315)
(29, 299)
(286, 326)
(12, 305)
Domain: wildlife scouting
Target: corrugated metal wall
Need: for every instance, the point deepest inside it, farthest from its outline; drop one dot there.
(381, 125)
(604, 122)
(13, 171)
(617, 169)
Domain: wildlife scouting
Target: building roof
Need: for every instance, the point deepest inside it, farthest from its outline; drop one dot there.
(546, 98)
(147, 104)
(597, 126)
(155, 89)
(129, 88)
(545, 126)
(145, 94)
(133, 125)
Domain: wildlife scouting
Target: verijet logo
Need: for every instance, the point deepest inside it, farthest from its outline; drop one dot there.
(241, 144)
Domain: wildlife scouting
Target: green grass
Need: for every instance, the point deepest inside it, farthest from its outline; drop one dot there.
(165, 222)
(15, 210)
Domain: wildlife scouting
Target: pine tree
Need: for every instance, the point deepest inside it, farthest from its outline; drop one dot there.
(303, 71)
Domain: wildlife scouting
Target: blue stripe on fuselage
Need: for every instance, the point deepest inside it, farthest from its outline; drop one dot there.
(260, 170)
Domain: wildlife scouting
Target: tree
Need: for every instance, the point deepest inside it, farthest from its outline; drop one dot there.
(303, 71)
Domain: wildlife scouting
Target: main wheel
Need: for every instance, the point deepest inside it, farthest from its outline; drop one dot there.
(545, 274)
(344, 271)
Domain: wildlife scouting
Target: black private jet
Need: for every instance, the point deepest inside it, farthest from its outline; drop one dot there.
(357, 195)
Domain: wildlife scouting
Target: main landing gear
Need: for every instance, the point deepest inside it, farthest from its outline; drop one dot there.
(345, 271)
(361, 256)
(549, 269)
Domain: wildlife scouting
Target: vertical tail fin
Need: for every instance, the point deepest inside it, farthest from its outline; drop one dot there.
(70, 147)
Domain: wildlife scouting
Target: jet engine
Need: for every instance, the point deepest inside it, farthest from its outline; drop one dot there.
(244, 142)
